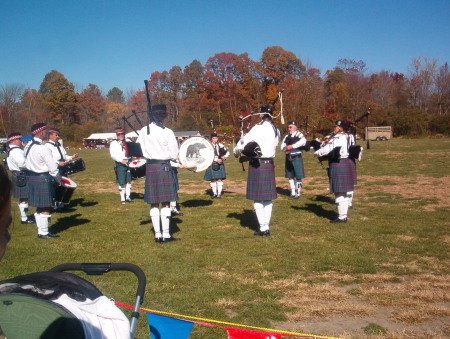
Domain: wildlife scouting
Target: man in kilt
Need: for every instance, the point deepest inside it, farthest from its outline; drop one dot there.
(216, 172)
(351, 132)
(294, 169)
(341, 171)
(42, 173)
(261, 187)
(16, 164)
(159, 147)
(119, 153)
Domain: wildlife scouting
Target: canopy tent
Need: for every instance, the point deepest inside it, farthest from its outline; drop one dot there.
(98, 140)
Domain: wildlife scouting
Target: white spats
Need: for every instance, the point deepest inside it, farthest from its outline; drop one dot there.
(154, 215)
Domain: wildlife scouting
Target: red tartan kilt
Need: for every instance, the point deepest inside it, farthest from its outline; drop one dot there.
(342, 176)
(160, 184)
(261, 182)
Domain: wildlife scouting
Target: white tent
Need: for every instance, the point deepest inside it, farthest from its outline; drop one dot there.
(99, 140)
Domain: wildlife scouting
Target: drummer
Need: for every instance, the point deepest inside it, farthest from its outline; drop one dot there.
(119, 153)
(59, 154)
(216, 172)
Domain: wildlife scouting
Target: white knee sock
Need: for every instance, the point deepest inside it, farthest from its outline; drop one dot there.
(165, 221)
(173, 206)
(128, 189)
(122, 193)
(350, 198)
(299, 187)
(219, 187)
(267, 214)
(214, 187)
(37, 217)
(342, 206)
(259, 210)
(154, 214)
(292, 186)
(23, 208)
(45, 221)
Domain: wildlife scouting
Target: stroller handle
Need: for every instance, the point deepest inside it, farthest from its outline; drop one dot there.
(101, 268)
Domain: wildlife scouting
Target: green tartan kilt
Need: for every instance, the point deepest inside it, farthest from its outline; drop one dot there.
(210, 174)
(341, 176)
(261, 181)
(123, 175)
(294, 167)
(41, 190)
(160, 183)
(175, 177)
(19, 192)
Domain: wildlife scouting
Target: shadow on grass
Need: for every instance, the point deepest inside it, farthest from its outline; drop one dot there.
(317, 210)
(67, 222)
(139, 196)
(80, 202)
(324, 198)
(283, 191)
(196, 203)
(246, 219)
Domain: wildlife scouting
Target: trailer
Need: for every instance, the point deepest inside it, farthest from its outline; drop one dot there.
(378, 133)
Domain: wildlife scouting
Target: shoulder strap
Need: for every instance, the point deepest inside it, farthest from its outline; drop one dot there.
(33, 142)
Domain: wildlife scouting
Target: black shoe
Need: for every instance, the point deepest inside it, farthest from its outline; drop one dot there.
(350, 207)
(47, 236)
(158, 240)
(262, 233)
(128, 199)
(296, 197)
(337, 221)
(28, 221)
(218, 196)
(164, 240)
(214, 196)
(292, 196)
(176, 214)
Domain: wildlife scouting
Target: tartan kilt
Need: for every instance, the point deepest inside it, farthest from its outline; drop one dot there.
(175, 177)
(123, 174)
(261, 182)
(355, 176)
(294, 168)
(41, 190)
(19, 192)
(210, 174)
(159, 183)
(341, 176)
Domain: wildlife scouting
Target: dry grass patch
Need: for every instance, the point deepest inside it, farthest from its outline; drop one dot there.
(226, 302)
(420, 315)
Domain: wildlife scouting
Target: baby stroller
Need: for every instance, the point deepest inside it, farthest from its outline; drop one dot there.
(58, 304)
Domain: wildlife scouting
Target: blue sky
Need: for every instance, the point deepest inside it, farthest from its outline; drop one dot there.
(120, 43)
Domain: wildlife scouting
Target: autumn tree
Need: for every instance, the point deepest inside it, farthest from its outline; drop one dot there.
(9, 107)
(32, 109)
(60, 98)
(92, 105)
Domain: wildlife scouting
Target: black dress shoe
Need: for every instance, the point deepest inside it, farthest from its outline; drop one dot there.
(337, 221)
(158, 240)
(262, 233)
(218, 196)
(28, 221)
(213, 196)
(164, 240)
(292, 196)
(176, 214)
(47, 236)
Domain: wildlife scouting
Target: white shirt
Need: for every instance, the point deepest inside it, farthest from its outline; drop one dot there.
(265, 135)
(16, 159)
(117, 151)
(300, 143)
(55, 153)
(339, 139)
(40, 160)
(218, 146)
(160, 144)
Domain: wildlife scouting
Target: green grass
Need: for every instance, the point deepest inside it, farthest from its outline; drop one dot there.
(219, 259)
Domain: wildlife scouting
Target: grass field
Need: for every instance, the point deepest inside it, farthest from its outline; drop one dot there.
(384, 274)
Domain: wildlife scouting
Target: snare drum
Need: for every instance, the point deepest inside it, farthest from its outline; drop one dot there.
(72, 167)
(196, 154)
(137, 168)
(64, 193)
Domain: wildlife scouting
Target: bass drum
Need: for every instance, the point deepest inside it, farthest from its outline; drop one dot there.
(64, 193)
(137, 168)
(72, 167)
(196, 154)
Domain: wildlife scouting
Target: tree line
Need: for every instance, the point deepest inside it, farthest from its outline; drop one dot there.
(229, 86)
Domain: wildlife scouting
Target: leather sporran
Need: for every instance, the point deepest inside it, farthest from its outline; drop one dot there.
(21, 179)
(215, 166)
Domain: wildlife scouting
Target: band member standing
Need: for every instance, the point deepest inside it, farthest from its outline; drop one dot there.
(119, 153)
(294, 169)
(341, 172)
(159, 147)
(41, 176)
(261, 186)
(16, 163)
(216, 172)
(59, 154)
(351, 132)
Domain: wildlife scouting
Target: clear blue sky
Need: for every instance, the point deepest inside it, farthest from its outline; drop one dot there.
(121, 42)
